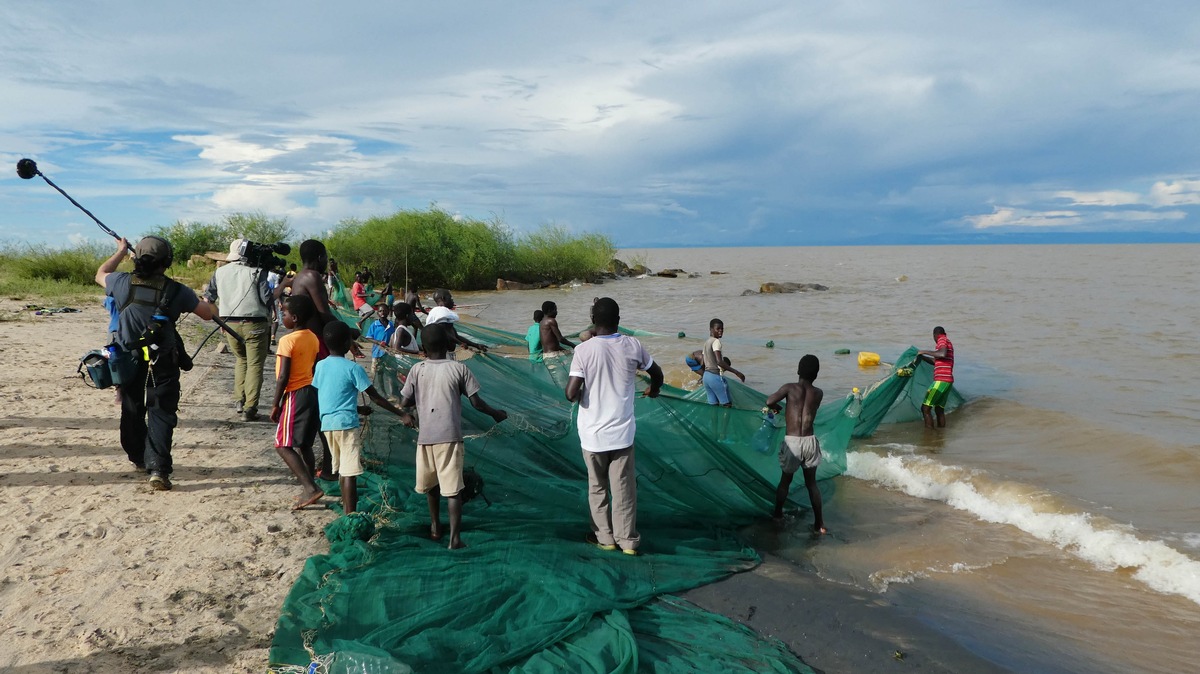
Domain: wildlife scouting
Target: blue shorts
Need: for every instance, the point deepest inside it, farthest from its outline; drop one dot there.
(717, 389)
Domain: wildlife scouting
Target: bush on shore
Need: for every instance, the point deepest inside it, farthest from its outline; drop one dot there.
(441, 250)
(197, 238)
(28, 271)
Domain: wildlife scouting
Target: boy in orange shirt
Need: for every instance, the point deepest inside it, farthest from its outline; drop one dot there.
(295, 404)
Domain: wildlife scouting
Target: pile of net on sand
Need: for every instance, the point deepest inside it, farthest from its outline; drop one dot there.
(528, 594)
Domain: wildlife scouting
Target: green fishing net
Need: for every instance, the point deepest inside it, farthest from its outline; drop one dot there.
(528, 594)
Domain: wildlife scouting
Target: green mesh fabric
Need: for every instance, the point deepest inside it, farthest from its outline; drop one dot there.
(529, 595)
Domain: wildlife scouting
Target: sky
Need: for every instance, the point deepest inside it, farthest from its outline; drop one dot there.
(658, 124)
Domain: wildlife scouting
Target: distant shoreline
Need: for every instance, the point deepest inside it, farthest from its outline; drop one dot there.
(1097, 239)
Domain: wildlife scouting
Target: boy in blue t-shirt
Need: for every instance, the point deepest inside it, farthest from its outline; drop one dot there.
(380, 331)
(338, 381)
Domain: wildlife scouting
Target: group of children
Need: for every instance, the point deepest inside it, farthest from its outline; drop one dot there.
(315, 394)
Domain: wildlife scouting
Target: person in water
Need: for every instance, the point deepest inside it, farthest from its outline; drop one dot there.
(551, 337)
(533, 337)
(695, 363)
(800, 449)
(714, 366)
(942, 358)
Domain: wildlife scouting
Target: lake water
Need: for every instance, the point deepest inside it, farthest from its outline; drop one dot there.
(1054, 525)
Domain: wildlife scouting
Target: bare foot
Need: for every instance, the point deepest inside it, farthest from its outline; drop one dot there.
(435, 533)
(820, 531)
(306, 500)
(456, 544)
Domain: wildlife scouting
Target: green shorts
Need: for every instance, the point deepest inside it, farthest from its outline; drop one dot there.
(937, 394)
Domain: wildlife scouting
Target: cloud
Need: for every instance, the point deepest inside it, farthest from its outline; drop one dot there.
(1012, 217)
(1175, 193)
(625, 118)
(1105, 198)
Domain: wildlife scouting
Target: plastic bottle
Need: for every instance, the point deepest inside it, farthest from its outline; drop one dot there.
(855, 407)
(761, 442)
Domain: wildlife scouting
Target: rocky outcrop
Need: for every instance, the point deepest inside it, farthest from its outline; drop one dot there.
(638, 270)
(618, 268)
(501, 284)
(788, 287)
(208, 259)
(774, 287)
(671, 273)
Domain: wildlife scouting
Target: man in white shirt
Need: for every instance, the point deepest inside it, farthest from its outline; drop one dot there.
(602, 380)
(444, 313)
(246, 304)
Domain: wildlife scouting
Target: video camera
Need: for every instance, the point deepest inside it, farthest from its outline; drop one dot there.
(263, 254)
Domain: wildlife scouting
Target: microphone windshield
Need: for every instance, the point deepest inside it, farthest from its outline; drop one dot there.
(27, 168)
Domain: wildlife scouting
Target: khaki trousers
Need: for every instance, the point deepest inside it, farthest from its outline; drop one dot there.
(248, 370)
(612, 473)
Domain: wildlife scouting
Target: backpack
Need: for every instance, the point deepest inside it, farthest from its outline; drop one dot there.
(158, 292)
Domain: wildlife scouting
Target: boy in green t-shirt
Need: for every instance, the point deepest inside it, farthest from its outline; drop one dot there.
(533, 337)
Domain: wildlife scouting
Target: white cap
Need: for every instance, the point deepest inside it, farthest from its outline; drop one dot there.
(235, 250)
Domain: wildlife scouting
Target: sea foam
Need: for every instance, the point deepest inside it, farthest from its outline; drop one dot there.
(1104, 544)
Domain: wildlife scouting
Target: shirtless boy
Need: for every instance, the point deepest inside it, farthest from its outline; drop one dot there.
(800, 449)
(552, 338)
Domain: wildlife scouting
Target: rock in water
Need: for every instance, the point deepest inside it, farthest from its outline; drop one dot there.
(788, 287)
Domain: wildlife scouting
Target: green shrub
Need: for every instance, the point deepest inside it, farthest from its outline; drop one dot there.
(197, 238)
(75, 265)
(440, 249)
(552, 253)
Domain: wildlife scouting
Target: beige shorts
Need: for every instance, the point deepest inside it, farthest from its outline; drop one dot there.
(797, 452)
(345, 448)
(440, 465)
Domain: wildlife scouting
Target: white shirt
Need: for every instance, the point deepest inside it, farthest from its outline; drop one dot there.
(608, 365)
(440, 314)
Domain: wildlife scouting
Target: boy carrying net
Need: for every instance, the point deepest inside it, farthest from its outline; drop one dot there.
(338, 381)
(435, 387)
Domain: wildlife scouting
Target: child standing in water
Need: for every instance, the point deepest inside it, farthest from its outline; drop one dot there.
(800, 449)
(714, 364)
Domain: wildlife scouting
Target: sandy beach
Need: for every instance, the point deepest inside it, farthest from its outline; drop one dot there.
(99, 573)
(102, 575)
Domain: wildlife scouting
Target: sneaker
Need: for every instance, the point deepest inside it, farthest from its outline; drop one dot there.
(251, 414)
(632, 552)
(160, 482)
(591, 538)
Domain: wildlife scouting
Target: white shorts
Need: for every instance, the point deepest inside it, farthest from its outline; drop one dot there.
(799, 452)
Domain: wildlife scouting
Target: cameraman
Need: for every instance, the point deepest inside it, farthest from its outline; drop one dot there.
(153, 355)
(246, 304)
